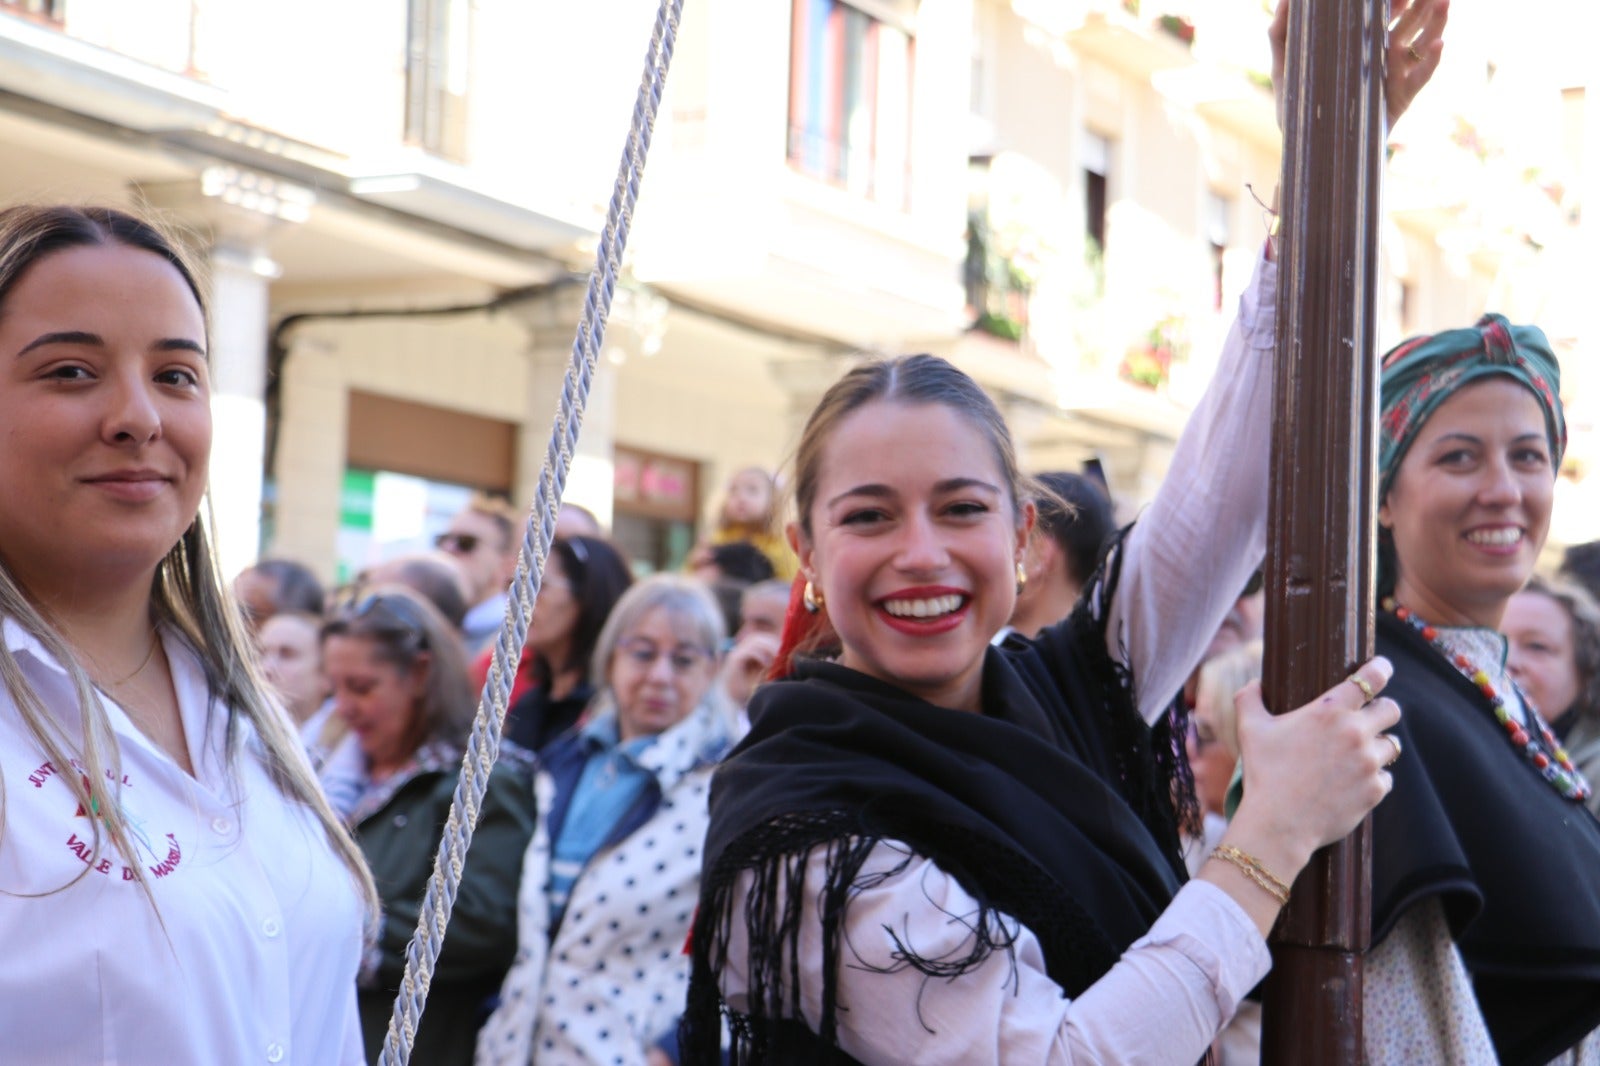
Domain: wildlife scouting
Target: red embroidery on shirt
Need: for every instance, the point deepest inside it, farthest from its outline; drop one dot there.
(81, 848)
(84, 849)
(111, 775)
(170, 863)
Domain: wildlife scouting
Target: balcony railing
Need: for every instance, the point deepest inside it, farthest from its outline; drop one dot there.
(998, 289)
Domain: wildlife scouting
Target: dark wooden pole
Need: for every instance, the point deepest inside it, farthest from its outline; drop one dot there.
(1320, 557)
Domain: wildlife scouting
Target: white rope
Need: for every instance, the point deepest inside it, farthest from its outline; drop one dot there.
(483, 746)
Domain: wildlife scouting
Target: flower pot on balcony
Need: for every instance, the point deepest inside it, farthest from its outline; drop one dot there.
(1178, 27)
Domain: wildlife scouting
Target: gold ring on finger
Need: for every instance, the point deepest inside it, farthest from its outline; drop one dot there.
(1398, 747)
(1416, 56)
(1361, 683)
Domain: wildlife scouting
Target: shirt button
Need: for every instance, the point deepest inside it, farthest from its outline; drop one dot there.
(221, 825)
(271, 927)
(274, 1052)
(400, 821)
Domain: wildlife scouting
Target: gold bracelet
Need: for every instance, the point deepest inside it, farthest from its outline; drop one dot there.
(1233, 854)
(1253, 868)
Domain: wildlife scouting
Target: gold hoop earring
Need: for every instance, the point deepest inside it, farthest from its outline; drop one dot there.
(812, 598)
(1022, 576)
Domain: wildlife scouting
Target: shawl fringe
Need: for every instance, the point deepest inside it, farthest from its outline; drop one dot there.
(774, 856)
(1151, 765)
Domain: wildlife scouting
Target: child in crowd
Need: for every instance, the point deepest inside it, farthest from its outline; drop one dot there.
(750, 513)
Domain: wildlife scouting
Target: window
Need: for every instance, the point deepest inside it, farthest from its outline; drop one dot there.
(984, 93)
(999, 285)
(850, 73)
(1219, 209)
(1096, 189)
(438, 54)
(52, 11)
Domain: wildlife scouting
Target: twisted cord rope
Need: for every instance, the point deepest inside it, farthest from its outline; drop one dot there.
(483, 745)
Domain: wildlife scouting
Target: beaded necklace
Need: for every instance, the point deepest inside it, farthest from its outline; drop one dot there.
(1543, 750)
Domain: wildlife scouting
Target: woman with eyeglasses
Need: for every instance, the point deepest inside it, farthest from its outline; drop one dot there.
(399, 680)
(610, 880)
(173, 886)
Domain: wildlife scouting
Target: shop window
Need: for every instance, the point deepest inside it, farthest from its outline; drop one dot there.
(850, 78)
(409, 467)
(384, 515)
(655, 502)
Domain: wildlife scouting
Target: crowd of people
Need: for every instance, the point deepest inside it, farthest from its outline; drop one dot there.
(949, 768)
(627, 695)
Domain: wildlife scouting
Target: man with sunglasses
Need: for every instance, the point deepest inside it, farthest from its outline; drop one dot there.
(483, 540)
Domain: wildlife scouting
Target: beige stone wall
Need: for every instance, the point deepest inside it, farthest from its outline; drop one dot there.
(710, 395)
(472, 364)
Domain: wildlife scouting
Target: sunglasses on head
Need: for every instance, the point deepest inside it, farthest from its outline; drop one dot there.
(457, 543)
(391, 612)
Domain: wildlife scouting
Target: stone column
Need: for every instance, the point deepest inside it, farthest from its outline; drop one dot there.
(240, 277)
(551, 322)
(236, 212)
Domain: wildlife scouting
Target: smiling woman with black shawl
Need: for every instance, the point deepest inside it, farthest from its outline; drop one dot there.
(932, 850)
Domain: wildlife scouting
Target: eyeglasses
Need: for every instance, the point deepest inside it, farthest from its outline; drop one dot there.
(457, 543)
(684, 659)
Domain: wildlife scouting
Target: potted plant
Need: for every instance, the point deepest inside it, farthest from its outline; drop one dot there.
(1148, 362)
(1177, 26)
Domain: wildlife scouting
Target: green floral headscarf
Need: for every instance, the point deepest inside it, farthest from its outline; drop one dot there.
(1423, 372)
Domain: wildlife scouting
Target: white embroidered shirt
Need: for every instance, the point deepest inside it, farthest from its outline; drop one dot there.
(249, 954)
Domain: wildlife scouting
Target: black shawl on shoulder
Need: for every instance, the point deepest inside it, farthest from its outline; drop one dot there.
(1040, 807)
(1514, 864)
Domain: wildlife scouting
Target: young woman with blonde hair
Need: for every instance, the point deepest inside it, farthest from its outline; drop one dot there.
(173, 887)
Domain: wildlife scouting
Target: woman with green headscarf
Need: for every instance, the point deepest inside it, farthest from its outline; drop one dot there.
(1486, 864)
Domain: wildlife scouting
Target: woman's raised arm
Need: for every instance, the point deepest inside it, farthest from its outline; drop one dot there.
(1190, 554)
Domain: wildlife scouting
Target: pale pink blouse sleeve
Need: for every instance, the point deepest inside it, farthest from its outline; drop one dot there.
(1164, 1002)
(1194, 548)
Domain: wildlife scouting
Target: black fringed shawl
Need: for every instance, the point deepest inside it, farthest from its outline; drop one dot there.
(1515, 866)
(1055, 817)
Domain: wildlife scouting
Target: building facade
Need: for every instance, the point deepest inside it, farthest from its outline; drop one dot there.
(397, 202)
